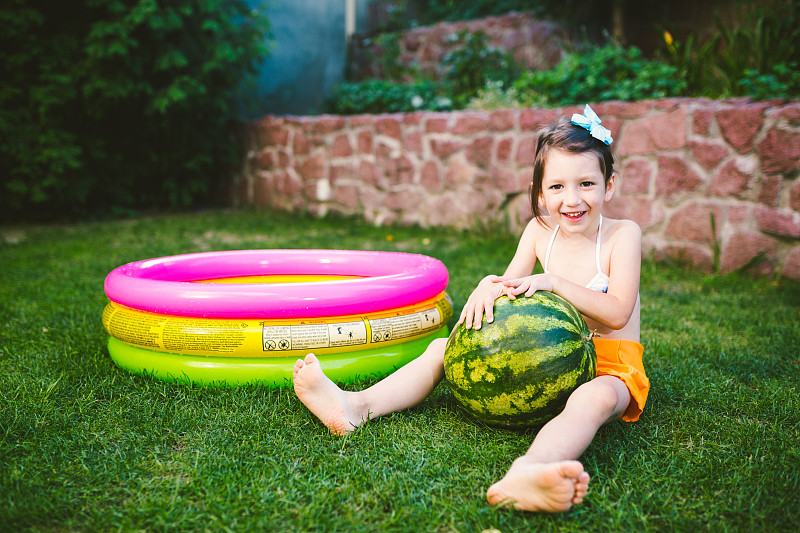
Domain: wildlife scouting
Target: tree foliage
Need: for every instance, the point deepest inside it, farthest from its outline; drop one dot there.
(115, 105)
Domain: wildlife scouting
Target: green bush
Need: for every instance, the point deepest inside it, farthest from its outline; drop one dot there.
(109, 106)
(473, 64)
(465, 71)
(391, 67)
(765, 40)
(608, 73)
(783, 81)
(477, 76)
(693, 63)
(754, 54)
(379, 96)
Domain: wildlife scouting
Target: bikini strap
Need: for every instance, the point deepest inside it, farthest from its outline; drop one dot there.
(597, 251)
(550, 247)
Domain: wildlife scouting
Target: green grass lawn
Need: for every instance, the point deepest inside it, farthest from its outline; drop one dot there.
(86, 446)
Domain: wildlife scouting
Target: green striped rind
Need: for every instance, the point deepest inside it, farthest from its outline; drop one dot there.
(519, 370)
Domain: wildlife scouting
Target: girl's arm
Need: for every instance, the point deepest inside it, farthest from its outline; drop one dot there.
(481, 301)
(613, 309)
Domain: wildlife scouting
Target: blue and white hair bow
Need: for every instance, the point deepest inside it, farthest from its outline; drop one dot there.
(590, 121)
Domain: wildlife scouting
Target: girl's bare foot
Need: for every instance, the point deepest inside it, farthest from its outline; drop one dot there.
(532, 486)
(329, 403)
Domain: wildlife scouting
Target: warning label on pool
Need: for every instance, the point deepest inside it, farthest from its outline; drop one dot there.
(399, 327)
(314, 336)
(340, 334)
(174, 334)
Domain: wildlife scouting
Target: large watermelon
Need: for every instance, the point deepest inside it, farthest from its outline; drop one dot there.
(519, 370)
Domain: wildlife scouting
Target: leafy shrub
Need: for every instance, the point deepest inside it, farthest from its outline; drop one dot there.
(465, 71)
(765, 39)
(391, 67)
(693, 64)
(379, 96)
(783, 81)
(473, 64)
(754, 54)
(495, 96)
(607, 73)
(110, 105)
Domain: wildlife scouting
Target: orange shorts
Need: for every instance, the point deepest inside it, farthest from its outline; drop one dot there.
(623, 359)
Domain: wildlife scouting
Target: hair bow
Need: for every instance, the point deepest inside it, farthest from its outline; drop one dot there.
(590, 121)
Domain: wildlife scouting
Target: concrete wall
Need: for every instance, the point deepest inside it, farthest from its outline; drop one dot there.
(680, 160)
(307, 55)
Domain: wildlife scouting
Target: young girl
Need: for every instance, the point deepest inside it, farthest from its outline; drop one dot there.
(593, 262)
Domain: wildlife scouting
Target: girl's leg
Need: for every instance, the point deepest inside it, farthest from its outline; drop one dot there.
(343, 411)
(547, 477)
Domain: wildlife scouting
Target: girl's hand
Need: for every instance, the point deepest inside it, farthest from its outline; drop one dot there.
(528, 285)
(481, 301)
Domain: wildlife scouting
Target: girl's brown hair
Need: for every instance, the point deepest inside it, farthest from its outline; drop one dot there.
(566, 136)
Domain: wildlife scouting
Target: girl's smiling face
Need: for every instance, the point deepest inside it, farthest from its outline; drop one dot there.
(574, 190)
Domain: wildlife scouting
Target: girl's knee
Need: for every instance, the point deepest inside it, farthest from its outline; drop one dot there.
(437, 346)
(435, 350)
(439, 343)
(600, 396)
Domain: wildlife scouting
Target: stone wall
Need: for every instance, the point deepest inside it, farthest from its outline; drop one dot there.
(680, 161)
(534, 44)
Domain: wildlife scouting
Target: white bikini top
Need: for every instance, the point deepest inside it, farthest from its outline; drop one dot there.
(599, 282)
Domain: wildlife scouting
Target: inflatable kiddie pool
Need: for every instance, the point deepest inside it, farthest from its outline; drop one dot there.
(244, 317)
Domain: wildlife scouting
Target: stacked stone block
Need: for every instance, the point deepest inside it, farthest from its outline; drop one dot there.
(680, 161)
(534, 44)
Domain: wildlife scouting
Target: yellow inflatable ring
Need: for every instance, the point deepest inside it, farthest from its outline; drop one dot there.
(275, 337)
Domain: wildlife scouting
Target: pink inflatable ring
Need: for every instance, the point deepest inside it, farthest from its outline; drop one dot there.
(382, 280)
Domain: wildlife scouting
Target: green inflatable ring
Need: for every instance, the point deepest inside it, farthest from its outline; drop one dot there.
(270, 371)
